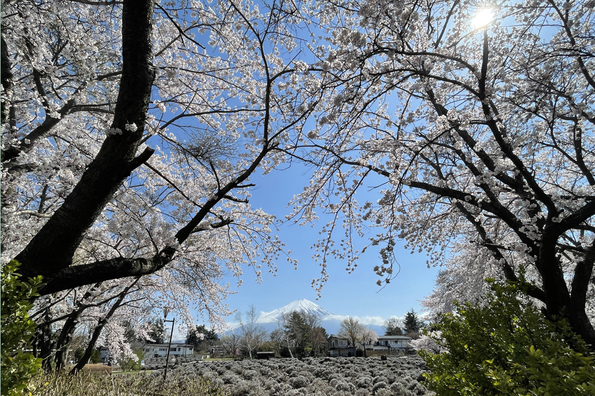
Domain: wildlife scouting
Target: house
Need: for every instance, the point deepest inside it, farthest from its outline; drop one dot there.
(160, 350)
(218, 351)
(392, 343)
(104, 355)
(339, 347)
(265, 355)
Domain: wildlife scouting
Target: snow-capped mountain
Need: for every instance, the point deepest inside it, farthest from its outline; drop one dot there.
(303, 305)
(331, 322)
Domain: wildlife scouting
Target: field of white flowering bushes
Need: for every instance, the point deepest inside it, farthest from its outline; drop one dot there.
(314, 376)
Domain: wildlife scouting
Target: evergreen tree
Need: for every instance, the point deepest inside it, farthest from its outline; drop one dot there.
(200, 337)
(298, 331)
(412, 323)
(157, 332)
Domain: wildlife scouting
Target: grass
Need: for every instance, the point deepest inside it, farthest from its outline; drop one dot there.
(98, 368)
(88, 382)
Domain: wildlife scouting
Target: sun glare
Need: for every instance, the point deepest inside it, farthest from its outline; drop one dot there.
(482, 18)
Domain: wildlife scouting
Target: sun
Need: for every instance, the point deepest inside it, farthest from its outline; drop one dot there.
(482, 18)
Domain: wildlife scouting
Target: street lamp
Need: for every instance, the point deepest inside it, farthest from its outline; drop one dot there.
(165, 312)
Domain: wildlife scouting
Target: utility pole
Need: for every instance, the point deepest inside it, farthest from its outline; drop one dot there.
(165, 311)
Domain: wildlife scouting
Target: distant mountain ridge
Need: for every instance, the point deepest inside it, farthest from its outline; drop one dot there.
(331, 322)
(303, 305)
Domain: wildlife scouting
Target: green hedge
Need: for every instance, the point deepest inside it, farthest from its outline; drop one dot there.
(17, 366)
(507, 347)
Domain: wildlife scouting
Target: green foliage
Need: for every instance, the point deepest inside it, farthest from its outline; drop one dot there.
(201, 337)
(129, 364)
(95, 357)
(392, 327)
(298, 331)
(17, 366)
(507, 347)
(412, 323)
(78, 354)
(156, 332)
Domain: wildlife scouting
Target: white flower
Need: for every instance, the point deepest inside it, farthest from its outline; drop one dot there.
(113, 131)
(301, 66)
(131, 127)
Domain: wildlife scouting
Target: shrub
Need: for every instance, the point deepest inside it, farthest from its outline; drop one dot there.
(17, 367)
(386, 375)
(398, 389)
(507, 347)
(230, 378)
(305, 373)
(379, 385)
(250, 374)
(87, 383)
(242, 388)
(128, 364)
(299, 382)
(383, 392)
(238, 369)
(265, 371)
(363, 382)
(417, 389)
(294, 392)
(343, 386)
(323, 373)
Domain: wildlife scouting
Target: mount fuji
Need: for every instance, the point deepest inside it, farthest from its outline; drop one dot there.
(305, 306)
(331, 322)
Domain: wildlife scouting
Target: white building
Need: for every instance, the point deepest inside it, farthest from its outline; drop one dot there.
(339, 347)
(394, 343)
(160, 350)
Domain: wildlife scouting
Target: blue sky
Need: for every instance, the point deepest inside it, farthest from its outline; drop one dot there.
(354, 294)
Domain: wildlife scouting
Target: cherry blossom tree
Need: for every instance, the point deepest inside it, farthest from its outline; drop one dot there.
(369, 337)
(478, 137)
(130, 131)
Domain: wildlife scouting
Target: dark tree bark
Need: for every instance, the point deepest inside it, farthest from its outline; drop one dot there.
(65, 337)
(99, 328)
(7, 110)
(53, 247)
(50, 253)
(42, 343)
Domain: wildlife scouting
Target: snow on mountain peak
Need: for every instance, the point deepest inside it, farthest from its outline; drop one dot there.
(303, 305)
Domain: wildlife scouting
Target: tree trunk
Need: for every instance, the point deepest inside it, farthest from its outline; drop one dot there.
(53, 247)
(64, 339)
(42, 344)
(7, 109)
(97, 331)
(557, 296)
